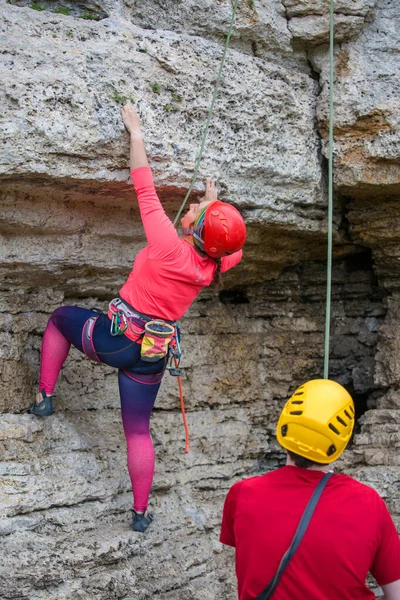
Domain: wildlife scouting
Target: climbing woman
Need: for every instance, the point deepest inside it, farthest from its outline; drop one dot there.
(140, 326)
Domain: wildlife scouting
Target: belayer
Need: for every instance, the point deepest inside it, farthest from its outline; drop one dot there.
(136, 334)
(302, 532)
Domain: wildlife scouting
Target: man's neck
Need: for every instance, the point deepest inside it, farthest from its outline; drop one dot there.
(315, 467)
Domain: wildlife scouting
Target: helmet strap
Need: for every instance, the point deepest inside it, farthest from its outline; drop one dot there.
(198, 228)
(198, 242)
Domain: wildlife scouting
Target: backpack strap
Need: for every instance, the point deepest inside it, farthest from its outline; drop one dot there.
(298, 536)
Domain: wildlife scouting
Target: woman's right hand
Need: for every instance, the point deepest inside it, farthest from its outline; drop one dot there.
(131, 120)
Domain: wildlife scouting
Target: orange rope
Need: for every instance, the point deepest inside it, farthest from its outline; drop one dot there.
(183, 409)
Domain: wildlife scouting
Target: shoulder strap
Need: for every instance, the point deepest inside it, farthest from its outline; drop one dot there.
(298, 536)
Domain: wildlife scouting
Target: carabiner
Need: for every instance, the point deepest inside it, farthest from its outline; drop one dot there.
(119, 324)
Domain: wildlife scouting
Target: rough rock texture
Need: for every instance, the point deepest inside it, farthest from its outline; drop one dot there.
(70, 229)
(78, 495)
(62, 94)
(309, 20)
(367, 107)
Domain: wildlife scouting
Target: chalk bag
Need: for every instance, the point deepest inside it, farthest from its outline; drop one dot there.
(156, 339)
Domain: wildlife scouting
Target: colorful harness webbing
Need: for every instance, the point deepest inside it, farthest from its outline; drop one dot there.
(87, 339)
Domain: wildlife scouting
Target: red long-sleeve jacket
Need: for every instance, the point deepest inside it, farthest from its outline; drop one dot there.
(168, 274)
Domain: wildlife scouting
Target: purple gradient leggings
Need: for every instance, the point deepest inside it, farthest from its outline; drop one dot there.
(138, 381)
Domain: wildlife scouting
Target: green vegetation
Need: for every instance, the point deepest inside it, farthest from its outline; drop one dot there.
(63, 10)
(90, 16)
(36, 6)
(176, 97)
(168, 107)
(119, 98)
(156, 88)
(70, 33)
(250, 4)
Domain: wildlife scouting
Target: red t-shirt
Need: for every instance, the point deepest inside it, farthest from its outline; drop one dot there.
(351, 532)
(168, 274)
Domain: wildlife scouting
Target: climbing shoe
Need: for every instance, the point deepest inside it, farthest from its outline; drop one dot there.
(43, 408)
(141, 521)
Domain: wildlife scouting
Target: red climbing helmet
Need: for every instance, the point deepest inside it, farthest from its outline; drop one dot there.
(220, 230)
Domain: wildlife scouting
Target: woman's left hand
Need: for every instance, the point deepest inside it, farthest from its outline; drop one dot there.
(211, 191)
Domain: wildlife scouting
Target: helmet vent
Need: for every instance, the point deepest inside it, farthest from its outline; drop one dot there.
(347, 414)
(296, 412)
(340, 420)
(331, 450)
(299, 394)
(333, 428)
(352, 409)
(284, 429)
(297, 401)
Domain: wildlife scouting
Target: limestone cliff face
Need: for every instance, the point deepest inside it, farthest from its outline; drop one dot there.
(70, 230)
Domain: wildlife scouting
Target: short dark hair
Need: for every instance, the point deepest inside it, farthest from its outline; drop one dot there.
(303, 463)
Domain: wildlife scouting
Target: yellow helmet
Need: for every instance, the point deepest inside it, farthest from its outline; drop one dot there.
(317, 421)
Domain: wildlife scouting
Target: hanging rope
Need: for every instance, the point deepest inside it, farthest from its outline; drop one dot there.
(210, 111)
(330, 201)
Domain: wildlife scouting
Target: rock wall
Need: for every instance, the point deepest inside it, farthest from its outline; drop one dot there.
(70, 230)
(70, 509)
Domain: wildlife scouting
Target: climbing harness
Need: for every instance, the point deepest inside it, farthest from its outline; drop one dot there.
(118, 305)
(330, 199)
(87, 339)
(124, 318)
(210, 111)
(159, 338)
(147, 330)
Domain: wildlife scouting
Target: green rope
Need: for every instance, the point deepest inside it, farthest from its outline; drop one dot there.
(210, 111)
(330, 201)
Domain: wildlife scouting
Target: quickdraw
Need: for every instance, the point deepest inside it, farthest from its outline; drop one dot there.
(175, 354)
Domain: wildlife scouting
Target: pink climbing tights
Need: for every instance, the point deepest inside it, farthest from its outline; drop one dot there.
(137, 401)
(55, 348)
(138, 391)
